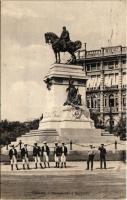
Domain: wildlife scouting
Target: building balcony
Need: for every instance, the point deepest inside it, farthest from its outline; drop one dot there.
(94, 53)
(95, 110)
(124, 108)
(110, 88)
(93, 88)
(113, 109)
(106, 51)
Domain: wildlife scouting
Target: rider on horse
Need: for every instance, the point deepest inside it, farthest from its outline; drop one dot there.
(64, 38)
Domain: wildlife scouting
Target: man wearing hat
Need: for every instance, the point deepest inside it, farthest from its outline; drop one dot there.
(24, 156)
(36, 155)
(45, 154)
(63, 151)
(13, 157)
(57, 154)
(91, 155)
(102, 156)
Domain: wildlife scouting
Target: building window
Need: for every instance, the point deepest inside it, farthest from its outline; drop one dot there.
(98, 66)
(111, 65)
(91, 102)
(88, 104)
(124, 101)
(98, 101)
(105, 63)
(116, 64)
(105, 102)
(116, 101)
(95, 103)
(124, 61)
(88, 67)
(111, 100)
(93, 66)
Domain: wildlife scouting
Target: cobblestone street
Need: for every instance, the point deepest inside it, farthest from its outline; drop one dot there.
(74, 182)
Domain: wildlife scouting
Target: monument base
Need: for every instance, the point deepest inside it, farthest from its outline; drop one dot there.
(68, 116)
(64, 123)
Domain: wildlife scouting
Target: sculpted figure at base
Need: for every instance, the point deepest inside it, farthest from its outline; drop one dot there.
(73, 98)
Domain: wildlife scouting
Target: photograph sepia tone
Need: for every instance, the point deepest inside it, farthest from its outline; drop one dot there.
(63, 99)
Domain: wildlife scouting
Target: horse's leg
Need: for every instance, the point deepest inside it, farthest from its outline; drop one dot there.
(73, 57)
(59, 57)
(55, 55)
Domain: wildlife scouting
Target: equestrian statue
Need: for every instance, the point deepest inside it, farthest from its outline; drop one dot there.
(63, 44)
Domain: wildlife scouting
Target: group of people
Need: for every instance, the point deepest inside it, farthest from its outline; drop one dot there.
(91, 155)
(60, 153)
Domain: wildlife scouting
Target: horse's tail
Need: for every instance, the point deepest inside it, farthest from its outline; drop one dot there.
(78, 45)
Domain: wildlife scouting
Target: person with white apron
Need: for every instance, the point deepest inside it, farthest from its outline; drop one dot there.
(13, 157)
(45, 154)
(63, 155)
(57, 154)
(24, 156)
(36, 155)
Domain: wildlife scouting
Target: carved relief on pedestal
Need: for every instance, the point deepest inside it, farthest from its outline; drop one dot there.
(53, 114)
(76, 112)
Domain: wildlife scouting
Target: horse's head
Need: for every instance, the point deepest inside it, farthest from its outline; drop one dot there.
(50, 37)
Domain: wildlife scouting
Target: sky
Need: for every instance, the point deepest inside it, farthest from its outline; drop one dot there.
(26, 59)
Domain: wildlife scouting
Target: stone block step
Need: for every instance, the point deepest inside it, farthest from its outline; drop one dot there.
(85, 136)
(43, 131)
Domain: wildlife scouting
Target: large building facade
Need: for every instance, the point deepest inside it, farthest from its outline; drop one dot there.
(106, 85)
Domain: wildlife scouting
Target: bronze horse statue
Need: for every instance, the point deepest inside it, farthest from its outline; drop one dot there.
(57, 45)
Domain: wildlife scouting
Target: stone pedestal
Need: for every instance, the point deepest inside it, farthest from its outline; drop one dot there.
(56, 115)
(61, 122)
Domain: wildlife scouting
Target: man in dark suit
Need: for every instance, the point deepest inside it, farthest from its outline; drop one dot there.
(24, 156)
(102, 156)
(45, 154)
(36, 155)
(91, 155)
(63, 151)
(57, 154)
(13, 157)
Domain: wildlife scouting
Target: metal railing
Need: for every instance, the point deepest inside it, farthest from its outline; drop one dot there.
(101, 52)
(114, 109)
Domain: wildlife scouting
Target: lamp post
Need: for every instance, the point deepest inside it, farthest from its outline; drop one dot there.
(70, 144)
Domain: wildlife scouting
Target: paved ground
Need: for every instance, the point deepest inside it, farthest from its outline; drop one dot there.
(74, 182)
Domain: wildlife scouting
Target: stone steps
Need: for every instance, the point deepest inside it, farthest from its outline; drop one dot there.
(39, 136)
(85, 136)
